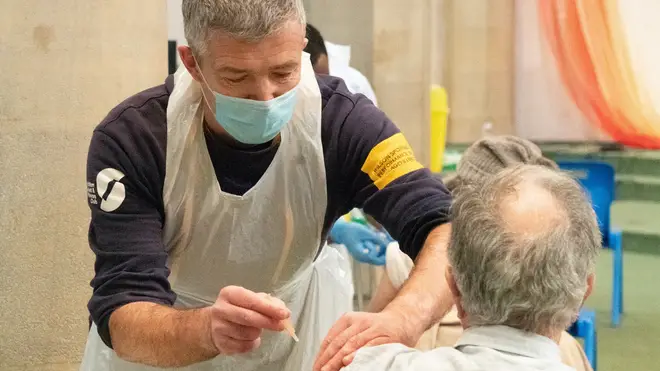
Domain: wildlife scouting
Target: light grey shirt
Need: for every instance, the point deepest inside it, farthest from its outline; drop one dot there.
(493, 348)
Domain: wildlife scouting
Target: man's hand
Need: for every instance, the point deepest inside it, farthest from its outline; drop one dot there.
(239, 317)
(165, 337)
(356, 330)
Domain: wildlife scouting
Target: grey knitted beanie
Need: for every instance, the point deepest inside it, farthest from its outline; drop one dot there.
(488, 156)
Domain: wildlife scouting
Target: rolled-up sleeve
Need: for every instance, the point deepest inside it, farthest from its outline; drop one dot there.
(378, 172)
(124, 233)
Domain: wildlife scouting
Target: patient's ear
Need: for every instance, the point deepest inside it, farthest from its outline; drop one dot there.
(455, 292)
(591, 280)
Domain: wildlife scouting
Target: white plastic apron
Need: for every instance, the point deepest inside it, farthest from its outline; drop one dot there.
(265, 240)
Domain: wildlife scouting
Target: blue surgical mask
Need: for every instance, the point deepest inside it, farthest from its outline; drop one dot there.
(252, 121)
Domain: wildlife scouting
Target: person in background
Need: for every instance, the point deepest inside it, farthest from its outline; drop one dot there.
(355, 81)
(317, 51)
(535, 251)
(481, 161)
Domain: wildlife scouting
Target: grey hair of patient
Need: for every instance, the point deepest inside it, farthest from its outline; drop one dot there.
(532, 282)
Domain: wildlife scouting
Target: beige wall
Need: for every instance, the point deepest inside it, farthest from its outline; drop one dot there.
(479, 72)
(347, 22)
(402, 67)
(438, 41)
(64, 65)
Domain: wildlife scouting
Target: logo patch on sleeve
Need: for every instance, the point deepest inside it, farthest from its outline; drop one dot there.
(390, 160)
(110, 189)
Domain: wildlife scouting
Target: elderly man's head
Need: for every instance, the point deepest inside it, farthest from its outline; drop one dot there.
(523, 250)
(246, 49)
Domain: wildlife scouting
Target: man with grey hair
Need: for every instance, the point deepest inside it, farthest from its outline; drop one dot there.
(534, 249)
(480, 161)
(229, 176)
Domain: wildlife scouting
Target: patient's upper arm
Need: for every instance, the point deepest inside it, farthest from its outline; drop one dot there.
(389, 357)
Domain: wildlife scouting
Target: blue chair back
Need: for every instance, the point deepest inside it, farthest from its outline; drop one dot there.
(598, 179)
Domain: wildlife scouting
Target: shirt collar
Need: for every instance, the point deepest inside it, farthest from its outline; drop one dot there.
(511, 340)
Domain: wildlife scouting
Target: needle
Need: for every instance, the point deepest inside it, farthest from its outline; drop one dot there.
(288, 326)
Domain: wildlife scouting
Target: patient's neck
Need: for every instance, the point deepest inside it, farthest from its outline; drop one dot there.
(554, 335)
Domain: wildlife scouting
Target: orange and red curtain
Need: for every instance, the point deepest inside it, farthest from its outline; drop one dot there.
(590, 49)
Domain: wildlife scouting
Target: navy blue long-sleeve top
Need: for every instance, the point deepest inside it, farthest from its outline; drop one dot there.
(368, 164)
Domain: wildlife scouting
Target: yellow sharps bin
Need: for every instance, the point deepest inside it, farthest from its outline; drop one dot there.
(439, 113)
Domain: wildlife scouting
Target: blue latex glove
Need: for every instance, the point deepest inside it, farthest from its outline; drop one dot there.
(363, 243)
(387, 235)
